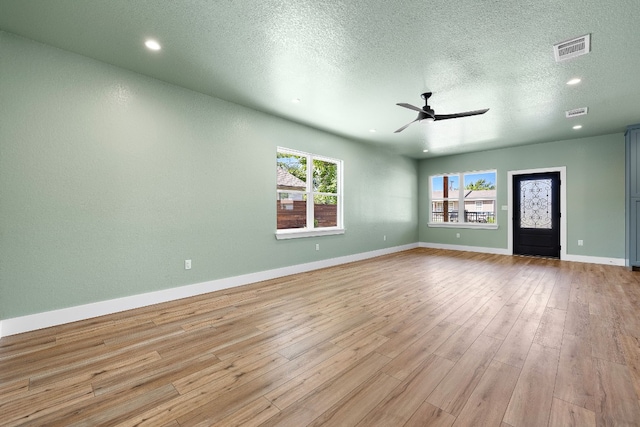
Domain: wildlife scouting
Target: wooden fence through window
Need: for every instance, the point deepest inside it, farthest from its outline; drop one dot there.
(293, 214)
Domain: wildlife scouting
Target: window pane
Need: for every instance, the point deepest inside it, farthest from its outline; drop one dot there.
(438, 186)
(291, 210)
(480, 181)
(325, 209)
(440, 214)
(292, 172)
(483, 211)
(480, 197)
(325, 176)
(446, 188)
(452, 214)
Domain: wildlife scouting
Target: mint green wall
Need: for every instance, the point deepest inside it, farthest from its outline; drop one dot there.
(594, 186)
(109, 180)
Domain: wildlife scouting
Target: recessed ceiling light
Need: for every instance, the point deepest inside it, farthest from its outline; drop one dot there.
(152, 44)
(372, 130)
(296, 100)
(425, 151)
(574, 81)
(577, 127)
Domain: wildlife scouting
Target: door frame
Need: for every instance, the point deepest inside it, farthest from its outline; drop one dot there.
(563, 205)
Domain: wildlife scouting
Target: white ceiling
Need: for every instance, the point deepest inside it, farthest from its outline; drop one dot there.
(350, 61)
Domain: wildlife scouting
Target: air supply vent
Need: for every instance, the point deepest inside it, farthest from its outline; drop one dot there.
(576, 112)
(572, 48)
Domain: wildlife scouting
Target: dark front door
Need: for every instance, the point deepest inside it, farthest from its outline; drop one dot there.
(536, 219)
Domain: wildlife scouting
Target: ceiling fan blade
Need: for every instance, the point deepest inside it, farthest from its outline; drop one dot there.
(457, 115)
(411, 107)
(406, 126)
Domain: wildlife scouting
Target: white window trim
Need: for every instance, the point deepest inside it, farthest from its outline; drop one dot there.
(461, 199)
(480, 226)
(295, 233)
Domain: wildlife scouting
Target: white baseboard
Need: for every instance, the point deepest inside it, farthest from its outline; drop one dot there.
(496, 251)
(32, 322)
(499, 251)
(596, 260)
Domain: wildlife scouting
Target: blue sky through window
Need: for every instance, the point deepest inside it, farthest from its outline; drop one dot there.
(489, 177)
(469, 178)
(436, 182)
(289, 161)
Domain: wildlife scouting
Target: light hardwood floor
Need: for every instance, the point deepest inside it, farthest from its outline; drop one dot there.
(418, 338)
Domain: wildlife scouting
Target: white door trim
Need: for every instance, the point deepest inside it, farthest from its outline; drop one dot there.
(563, 205)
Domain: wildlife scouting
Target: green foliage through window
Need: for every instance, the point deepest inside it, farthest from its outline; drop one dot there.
(295, 165)
(480, 184)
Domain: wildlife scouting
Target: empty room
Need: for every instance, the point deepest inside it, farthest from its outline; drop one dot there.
(305, 213)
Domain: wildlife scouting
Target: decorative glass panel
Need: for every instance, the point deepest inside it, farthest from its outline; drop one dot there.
(535, 204)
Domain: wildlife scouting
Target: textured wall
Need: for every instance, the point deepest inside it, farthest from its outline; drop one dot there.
(109, 180)
(594, 186)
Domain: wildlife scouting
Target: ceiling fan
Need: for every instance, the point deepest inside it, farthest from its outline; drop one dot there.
(427, 113)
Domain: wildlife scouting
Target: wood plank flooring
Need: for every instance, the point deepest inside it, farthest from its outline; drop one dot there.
(418, 338)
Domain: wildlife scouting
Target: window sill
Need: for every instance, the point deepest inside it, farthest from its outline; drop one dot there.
(300, 233)
(480, 226)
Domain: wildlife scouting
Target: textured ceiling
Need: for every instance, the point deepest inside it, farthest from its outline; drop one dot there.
(351, 61)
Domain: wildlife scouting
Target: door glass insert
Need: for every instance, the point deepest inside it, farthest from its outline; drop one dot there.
(535, 204)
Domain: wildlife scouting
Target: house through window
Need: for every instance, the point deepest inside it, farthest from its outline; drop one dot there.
(309, 194)
(463, 198)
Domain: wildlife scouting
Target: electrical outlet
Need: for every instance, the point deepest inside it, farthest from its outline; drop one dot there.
(317, 246)
(187, 264)
(580, 242)
(384, 237)
(457, 235)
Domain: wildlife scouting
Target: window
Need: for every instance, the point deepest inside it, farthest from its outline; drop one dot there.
(309, 194)
(463, 199)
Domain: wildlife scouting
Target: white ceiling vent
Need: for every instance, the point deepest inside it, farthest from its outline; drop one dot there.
(577, 112)
(572, 48)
